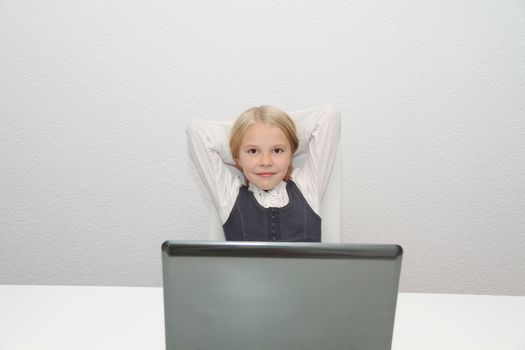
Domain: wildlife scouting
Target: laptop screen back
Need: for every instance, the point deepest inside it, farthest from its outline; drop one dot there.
(290, 296)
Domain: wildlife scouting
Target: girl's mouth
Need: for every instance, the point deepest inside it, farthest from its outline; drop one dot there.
(265, 174)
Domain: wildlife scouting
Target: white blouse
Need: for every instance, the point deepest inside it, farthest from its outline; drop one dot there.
(318, 131)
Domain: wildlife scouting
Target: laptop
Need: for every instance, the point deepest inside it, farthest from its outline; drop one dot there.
(279, 296)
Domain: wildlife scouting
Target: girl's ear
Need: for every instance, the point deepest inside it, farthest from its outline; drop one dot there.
(288, 173)
(240, 169)
(237, 164)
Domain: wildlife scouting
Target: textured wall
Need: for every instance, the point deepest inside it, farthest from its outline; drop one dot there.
(95, 96)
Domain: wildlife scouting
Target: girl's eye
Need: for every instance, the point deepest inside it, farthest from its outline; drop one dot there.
(251, 151)
(278, 150)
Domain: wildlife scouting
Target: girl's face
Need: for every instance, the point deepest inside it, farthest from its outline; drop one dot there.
(265, 155)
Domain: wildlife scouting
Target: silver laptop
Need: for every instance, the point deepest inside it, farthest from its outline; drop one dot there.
(279, 296)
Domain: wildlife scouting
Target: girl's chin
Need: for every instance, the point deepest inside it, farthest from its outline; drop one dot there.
(264, 185)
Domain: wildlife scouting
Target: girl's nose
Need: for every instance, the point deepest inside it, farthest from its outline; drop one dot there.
(266, 159)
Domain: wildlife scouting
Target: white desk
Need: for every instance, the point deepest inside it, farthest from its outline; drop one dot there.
(59, 317)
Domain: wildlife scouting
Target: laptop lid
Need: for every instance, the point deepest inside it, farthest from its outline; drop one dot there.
(290, 296)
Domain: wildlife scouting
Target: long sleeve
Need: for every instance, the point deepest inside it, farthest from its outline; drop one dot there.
(209, 150)
(319, 132)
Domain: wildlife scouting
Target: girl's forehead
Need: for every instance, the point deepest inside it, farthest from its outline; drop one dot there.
(260, 131)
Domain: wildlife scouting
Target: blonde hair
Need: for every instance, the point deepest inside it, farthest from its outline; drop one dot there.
(269, 116)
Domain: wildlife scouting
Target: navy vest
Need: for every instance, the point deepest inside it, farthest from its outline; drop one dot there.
(250, 221)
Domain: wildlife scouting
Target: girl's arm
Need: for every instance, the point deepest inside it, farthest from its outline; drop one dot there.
(208, 144)
(319, 132)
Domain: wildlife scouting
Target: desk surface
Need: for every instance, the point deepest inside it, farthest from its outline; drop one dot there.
(63, 317)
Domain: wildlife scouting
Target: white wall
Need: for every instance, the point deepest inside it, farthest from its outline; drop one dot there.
(95, 97)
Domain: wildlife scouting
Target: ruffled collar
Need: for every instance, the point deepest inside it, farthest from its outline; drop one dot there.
(276, 197)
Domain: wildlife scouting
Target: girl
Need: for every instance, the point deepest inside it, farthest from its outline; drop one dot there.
(267, 200)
